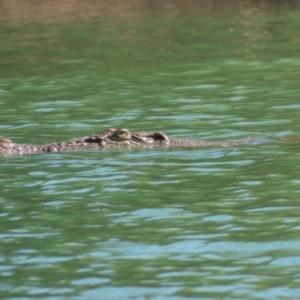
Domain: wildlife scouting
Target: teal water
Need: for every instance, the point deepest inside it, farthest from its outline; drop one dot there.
(214, 223)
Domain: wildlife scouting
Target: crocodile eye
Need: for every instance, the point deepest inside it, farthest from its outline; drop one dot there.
(121, 134)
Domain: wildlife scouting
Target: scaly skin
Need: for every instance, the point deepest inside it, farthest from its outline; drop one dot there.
(117, 138)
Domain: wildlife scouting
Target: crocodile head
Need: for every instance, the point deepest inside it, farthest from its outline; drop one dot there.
(122, 137)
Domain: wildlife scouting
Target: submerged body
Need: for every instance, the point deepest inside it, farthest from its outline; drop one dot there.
(117, 138)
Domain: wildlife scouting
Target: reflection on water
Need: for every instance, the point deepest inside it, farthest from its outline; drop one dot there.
(150, 223)
(135, 222)
(72, 10)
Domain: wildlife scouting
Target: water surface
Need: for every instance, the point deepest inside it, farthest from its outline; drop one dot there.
(214, 223)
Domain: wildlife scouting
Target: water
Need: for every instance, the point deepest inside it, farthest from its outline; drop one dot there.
(214, 223)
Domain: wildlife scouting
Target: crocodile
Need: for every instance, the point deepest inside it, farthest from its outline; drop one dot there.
(117, 138)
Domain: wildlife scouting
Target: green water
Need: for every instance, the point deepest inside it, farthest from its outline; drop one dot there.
(215, 223)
